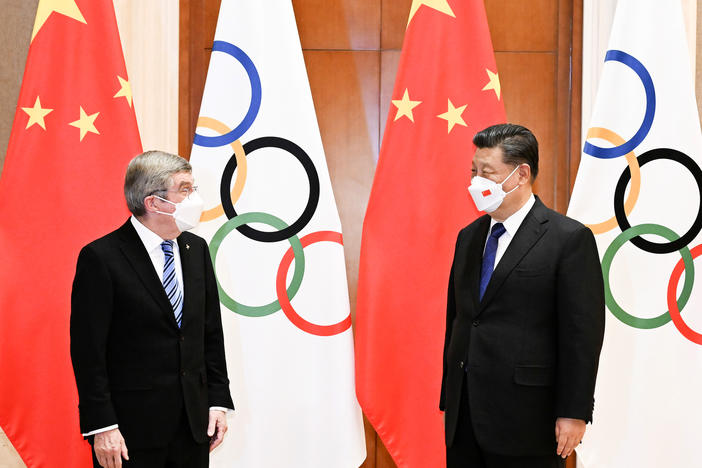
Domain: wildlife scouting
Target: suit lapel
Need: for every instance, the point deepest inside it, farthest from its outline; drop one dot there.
(532, 228)
(475, 260)
(186, 260)
(137, 256)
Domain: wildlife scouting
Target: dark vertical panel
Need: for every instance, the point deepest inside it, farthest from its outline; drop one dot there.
(518, 25)
(345, 91)
(394, 23)
(338, 24)
(198, 21)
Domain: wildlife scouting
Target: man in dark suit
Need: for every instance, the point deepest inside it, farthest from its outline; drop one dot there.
(524, 322)
(146, 333)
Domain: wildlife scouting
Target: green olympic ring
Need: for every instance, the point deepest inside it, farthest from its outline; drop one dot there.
(621, 239)
(270, 220)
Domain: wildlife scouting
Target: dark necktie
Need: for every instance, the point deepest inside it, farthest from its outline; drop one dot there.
(170, 281)
(489, 257)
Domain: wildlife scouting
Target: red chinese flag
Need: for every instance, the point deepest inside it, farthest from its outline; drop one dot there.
(446, 90)
(73, 134)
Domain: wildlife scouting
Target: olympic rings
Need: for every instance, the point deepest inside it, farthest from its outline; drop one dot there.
(283, 298)
(678, 321)
(621, 239)
(297, 249)
(254, 105)
(238, 162)
(615, 139)
(217, 126)
(642, 132)
(312, 201)
(675, 244)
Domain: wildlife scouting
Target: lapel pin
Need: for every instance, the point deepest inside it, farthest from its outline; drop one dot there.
(187, 246)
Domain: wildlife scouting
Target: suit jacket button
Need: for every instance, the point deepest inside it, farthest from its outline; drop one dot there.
(476, 323)
(182, 373)
(460, 364)
(182, 338)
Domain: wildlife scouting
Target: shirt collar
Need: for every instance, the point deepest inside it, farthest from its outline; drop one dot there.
(512, 223)
(149, 238)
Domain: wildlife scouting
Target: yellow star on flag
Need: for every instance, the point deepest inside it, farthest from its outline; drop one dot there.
(36, 114)
(125, 90)
(439, 5)
(494, 83)
(405, 106)
(86, 123)
(47, 7)
(453, 115)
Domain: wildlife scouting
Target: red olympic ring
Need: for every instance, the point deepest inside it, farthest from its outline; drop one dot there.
(680, 324)
(290, 313)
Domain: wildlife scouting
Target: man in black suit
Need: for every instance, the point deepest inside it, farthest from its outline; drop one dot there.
(146, 333)
(524, 322)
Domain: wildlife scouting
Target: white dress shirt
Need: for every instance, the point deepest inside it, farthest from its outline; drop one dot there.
(511, 225)
(152, 243)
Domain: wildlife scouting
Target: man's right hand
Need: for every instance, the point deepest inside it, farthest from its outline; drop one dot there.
(110, 448)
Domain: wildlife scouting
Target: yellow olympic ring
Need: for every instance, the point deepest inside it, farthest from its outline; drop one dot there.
(610, 136)
(217, 126)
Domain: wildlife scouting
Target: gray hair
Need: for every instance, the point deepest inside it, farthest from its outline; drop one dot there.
(148, 174)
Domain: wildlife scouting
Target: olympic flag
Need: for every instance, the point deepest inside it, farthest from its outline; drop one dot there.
(639, 188)
(276, 243)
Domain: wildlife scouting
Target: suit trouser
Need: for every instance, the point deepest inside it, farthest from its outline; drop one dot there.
(181, 452)
(466, 453)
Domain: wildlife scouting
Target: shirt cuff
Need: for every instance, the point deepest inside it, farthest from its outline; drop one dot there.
(219, 408)
(104, 429)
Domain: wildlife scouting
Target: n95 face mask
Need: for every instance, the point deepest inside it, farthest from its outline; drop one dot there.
(187, 213)
(487, 194)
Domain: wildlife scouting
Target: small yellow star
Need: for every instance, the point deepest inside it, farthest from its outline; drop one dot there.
(36, 114)
(86, 123)
(453, 115)
(405, 106)
(47, 7)
(439, 5)
(125, 90)
(494, 83)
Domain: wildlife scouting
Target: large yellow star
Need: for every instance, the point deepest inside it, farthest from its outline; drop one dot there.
(453, 115)
(405, 106)
(86, 123)
(36, 114)
(47, 7)
(125, 90)
(439, 5)
(494, 83)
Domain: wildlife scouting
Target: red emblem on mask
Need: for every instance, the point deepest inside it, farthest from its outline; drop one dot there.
(486, 193)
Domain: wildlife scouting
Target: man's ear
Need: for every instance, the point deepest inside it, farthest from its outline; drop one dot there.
(524, 172)
(150, 204)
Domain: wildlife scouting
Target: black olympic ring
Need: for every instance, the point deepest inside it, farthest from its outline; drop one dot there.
(312, 201)
(638, 241)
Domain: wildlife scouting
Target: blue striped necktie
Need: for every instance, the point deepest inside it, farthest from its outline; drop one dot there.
(489, 257)
(170, 281)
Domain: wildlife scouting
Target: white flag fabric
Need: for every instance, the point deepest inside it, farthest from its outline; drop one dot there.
(639, 188)
(275, 239)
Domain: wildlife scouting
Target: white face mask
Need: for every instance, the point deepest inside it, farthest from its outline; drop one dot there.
(187, 213)
(488, 195)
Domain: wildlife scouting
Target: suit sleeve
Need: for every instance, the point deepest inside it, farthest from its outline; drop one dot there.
(450, 316)
(215, 361)
(91, 314)
(581, 319)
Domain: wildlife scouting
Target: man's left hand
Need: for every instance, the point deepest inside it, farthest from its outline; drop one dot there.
(569, 433)
(216, 427)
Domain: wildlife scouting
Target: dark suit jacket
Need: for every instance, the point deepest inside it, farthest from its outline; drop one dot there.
(531, 346)
(133, 365)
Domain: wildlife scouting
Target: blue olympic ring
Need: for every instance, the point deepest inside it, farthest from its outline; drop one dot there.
(254, 106)
(645, 77)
